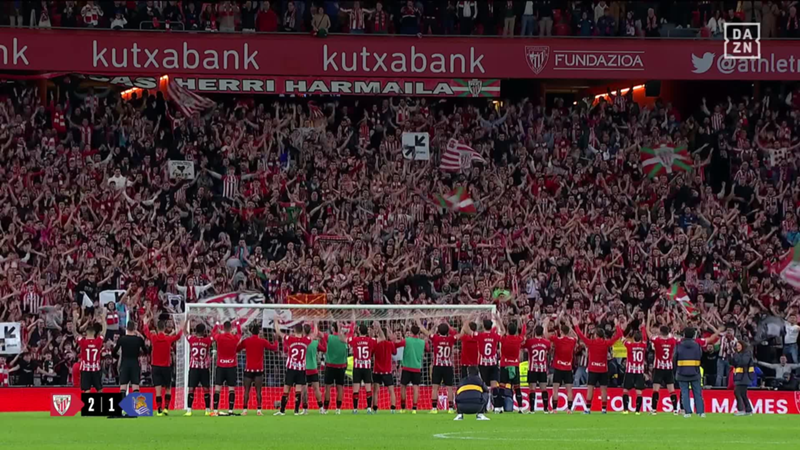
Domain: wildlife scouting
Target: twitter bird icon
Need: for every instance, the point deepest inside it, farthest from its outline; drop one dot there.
(701, 65)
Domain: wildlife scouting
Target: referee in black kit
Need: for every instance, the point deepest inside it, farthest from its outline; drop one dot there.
(132, 345)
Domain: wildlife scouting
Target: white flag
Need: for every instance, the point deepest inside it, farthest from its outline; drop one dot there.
(181, 170)
(416, 146)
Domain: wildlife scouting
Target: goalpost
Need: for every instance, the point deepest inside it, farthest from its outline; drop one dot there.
(396, 319)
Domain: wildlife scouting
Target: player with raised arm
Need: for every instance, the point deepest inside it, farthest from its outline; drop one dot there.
(538, 349)
(563, 355)
(664, 369)
(411, 373)
(312, 369)
(443, 373)
(469, 347)
(362, 346)
(382, 375)
(254, 347)
(634, 369)
(227, 341)
(295, 346)
(131, 346)
(510, 345)
(335, 366)
(597, 348)
(199, 366)
(91, 347)
(488, 341)
(161, 361)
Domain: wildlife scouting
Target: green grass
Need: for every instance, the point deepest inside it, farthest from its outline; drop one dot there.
(612, 431)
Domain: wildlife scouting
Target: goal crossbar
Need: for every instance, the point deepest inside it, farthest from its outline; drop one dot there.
(190, 306)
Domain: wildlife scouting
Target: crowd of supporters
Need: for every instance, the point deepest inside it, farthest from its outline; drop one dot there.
(293, 196)
(508, 18)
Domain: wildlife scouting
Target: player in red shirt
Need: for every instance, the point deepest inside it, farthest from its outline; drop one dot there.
(90, 348)
(488, 341)
(469, 349)
(597, 348)
(510, 345)
(382, 375)
(227, 340)
(634, 369)
(254, 347)
(199, 364)
(362, 347)
(664, 369)
(443, 373)
(538, 349)
(161, 362)
(296, 347)
(563, 354)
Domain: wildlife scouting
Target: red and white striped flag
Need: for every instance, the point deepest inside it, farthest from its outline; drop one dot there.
(188, 102)
(458, 156)
(789, 268)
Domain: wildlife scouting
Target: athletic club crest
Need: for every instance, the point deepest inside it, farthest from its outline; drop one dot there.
(475, 87)
(61, 403)
(536, 56)
(797, 400)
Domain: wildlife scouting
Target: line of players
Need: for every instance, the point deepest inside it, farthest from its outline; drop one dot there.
(493, 348)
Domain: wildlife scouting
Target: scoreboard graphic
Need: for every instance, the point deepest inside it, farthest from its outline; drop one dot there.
(102, 405)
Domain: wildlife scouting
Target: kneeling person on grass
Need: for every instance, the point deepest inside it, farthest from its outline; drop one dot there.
(472, 396)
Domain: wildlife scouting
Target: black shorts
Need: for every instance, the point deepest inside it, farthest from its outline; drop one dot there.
(162, 376)
(663, 377)
(596, 378)
(383, 379)
(129, 372)
(312, 378)
(295, 377)
(91, 380)
(489, 373)
(465, 371)
(199, 377)
(633, 380)
(537, 377)
(253, 374)
(413, 378)
(360, 375)
(334, 375)
(226, 376)
(443, 375)
(563, 377)
(506, 376)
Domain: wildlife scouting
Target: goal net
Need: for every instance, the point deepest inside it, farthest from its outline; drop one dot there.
(396, 320)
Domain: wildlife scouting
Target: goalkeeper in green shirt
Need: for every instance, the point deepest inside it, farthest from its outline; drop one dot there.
(335, 366)
(412, 365)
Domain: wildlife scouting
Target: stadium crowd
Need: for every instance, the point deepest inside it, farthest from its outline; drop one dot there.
(294, 197)
(508, 18)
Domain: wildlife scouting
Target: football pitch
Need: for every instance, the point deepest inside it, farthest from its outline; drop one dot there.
(348, 431)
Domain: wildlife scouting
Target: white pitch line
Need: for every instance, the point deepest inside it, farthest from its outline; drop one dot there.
(456, 436)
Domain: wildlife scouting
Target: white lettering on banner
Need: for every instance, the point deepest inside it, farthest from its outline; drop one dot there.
(169, 58)
(17, 53)
(768, 64)
(589, 60)
(415, 62)
(760, 406)
(139, 82)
